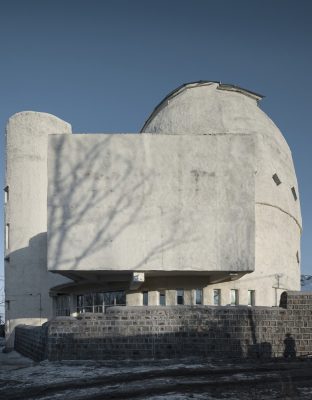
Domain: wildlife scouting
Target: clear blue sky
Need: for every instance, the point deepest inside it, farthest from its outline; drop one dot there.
(103, 65)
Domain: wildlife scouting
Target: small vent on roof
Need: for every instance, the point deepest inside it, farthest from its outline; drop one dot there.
(276, 179)
(293, 191)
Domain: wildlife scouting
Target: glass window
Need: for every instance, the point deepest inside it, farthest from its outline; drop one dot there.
(96, 302)
(234, 297)
(251, 297)
(199, 296)
(145, 298)
(216, 297)
(162, 298)
(180, 296)
(62, 305)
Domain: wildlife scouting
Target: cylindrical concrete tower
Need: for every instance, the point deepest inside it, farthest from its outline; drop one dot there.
(27, 279)
(216, 109)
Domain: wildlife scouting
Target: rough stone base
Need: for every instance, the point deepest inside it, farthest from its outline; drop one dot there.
(180, 331)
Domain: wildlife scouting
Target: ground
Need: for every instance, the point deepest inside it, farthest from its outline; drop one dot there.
(21, 378)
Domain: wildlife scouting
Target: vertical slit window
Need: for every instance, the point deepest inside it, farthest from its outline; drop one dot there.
(6, 194)
(297, 256)
(7, 236)
(216, 297)
(162, 298)
(251, 297)
(199, 296)
(145, 298)
(276, 179)
(293, 191)
(234, 297)
(180, 296)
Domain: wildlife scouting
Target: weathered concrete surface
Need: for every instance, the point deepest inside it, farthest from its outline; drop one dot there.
(27, 281)
(211, 108)
(145, 202)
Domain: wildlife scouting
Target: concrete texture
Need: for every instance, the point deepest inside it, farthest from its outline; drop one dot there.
(151, 203)
(210, 108)
(206, 194)
(27, 281)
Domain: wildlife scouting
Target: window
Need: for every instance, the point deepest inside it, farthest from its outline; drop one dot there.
(7, 236)
(62, 305)
(234, 297)
(216, 297)
(180, 296)
(298, 258)
(96, 302)
(162, 298)
(199, 296)
(293, 191)
(276, 179)
(6, 194)
(251, 297)
(145, 298)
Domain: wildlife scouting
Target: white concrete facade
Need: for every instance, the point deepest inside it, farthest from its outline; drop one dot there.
(201, 207)
(27, 280)
(212, 108)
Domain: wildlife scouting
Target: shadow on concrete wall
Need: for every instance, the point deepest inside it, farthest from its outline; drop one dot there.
(88, 186)
(80, 197)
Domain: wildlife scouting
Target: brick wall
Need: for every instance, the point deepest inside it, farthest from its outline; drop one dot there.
(180, 331)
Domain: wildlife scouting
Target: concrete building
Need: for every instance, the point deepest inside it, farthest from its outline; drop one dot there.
(201, 207)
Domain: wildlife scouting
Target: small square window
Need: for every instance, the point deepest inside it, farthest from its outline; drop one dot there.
(293, 191)
(276, 179)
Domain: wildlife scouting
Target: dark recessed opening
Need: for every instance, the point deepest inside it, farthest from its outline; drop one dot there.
(6, 194)
(276, 179)
(293, 191)
(297, 256)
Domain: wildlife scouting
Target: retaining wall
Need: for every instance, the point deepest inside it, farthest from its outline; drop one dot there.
(180, 331)
(31, 341)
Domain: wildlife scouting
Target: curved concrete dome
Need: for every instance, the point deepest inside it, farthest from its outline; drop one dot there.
(211, 108)
(204, 107)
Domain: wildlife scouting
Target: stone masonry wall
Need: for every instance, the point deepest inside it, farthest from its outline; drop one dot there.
(180, 331)
(31, 341)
